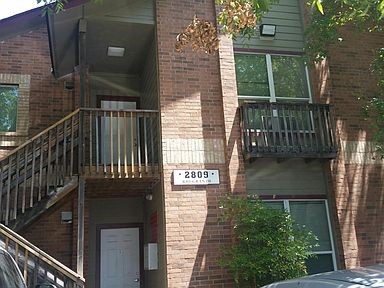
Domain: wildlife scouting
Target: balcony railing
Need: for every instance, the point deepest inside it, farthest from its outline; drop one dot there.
(88, 142)
(288, 130)
(120, 143)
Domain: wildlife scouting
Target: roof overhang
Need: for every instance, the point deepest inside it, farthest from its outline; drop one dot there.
(119, 23)
(20, 23)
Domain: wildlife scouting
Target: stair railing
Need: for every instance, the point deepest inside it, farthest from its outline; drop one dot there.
(114, 144)
(37, 266)
(35, 169)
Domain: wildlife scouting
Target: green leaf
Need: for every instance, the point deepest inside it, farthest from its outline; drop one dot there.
(319, 5)
(260, 255)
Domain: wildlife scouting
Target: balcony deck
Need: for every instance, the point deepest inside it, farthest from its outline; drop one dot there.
(89, 142)
(288, 130)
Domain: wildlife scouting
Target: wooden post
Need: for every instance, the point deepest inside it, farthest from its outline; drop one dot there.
(80, 226)
(80, 200)
(82, 63)
(82, 59)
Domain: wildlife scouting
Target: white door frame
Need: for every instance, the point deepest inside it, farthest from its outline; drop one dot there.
(100, 227)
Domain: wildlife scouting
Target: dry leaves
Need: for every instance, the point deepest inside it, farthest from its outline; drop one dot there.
(201, 34)
(236, 15)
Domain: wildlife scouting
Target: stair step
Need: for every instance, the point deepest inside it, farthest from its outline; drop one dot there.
(32, 213)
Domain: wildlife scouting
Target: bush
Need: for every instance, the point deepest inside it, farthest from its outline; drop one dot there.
(268, 245)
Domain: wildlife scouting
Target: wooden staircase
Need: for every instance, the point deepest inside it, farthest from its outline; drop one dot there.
(32, 178)
(37, 266)
(43, 170)
(34, 171)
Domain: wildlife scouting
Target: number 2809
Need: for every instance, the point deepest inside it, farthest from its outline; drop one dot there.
(196, 174)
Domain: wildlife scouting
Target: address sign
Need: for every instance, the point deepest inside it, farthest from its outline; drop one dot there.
(196, 177)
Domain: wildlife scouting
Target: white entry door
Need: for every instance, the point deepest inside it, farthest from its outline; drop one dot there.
(114, 129)
(120, 258)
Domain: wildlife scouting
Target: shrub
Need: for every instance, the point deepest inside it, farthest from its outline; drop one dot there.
(268, 246)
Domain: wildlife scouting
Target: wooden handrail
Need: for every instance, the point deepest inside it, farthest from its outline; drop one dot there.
(75, 145)
(126, 148)
(41, 254)
(45, 131)
(287, 130)
(36, 168)
(311, 105)
(119, 110)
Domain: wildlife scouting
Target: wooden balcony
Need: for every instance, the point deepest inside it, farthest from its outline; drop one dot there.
(92, 143)
(120, 143)
(288, 130)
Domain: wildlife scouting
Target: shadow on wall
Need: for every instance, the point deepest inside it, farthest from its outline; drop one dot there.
(216, 236)
(357, 192)
(359, 201)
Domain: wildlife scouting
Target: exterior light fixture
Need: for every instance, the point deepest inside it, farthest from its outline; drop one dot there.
(66, 217)
(267, 31)
(115, 51)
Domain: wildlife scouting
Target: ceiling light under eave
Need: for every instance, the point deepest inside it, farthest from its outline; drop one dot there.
(115, 51)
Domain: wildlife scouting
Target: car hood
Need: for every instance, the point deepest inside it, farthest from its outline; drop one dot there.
(372, 276)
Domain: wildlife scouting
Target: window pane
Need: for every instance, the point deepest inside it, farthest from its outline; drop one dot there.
(319, 263)
(8, 109)
(252, 75)
(313, 215)
(289, 77)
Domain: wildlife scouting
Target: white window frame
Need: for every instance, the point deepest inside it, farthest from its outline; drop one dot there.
(272, 97)
(287, 208)
(17, 106)
(22, 119)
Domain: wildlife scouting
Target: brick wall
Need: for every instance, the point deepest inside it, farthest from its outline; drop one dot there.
(356, 175)
(52, 236)
(28, 54)
(197, 114)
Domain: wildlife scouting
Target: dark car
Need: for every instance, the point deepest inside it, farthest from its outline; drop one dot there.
(371, 276)
(10, 275)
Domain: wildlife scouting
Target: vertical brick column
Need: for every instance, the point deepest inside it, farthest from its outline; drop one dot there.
(356, 175)
(235, 160)
(199, 131)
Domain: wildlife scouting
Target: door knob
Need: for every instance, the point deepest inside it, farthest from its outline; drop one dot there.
(137, 280)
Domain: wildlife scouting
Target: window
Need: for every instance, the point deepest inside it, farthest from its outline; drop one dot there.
(313, 214)
(275, 78)
(272, 77)
(14, 108)
(9, 96)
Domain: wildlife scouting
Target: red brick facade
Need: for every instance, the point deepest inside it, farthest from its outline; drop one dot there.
(52, 236)
(198, 110)
(356, 177)
(193, 105)
(28, 54)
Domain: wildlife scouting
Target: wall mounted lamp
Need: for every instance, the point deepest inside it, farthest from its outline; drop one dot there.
(267, 31)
